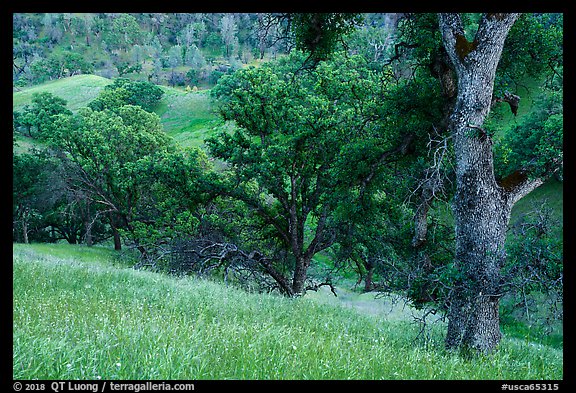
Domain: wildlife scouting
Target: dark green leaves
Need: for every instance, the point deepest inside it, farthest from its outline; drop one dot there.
(41, 114)
(308, 150)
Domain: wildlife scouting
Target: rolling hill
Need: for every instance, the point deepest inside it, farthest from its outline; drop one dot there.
(186, 116)
(77, 90)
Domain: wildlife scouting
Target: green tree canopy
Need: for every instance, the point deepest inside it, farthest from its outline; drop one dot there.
(28, 174)
(124, 91)
(305, 147)
(130, 171)
(535, 145)
(41, 114)
(319, 33)
(101, 152)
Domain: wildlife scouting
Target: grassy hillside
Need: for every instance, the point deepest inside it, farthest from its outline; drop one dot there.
(77, 90)
(186, 116)
(79, 313)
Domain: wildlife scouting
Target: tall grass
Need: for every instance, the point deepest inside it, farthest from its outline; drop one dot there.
(79, 315)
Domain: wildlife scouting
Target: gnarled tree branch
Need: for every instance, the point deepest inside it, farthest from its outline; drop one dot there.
(512, 99)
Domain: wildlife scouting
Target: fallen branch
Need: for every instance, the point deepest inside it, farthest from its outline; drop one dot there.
(314, 287)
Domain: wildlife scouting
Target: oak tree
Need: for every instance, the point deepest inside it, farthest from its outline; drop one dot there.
(482, 203)
(306, 151)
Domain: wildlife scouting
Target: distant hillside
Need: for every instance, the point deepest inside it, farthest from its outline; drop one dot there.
(186, 116)
(173, 49)
(77, 90)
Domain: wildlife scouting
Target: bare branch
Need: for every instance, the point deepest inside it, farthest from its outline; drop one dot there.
(203, 256)
(314, 287)
(431, 187)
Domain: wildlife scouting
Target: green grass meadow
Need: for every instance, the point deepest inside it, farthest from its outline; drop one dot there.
(187, 117)
(77, 90)
(83, 313)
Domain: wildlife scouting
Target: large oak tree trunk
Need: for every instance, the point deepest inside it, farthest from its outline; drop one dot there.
(481, 207)
(481, 218)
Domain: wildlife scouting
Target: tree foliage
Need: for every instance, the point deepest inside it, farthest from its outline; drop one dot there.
(28, 174)
(41, 114)
(58, 65)
(319, 33)
(103, 151)
(534, 49)
(123, 91)
(535, 145)
(308, 149)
